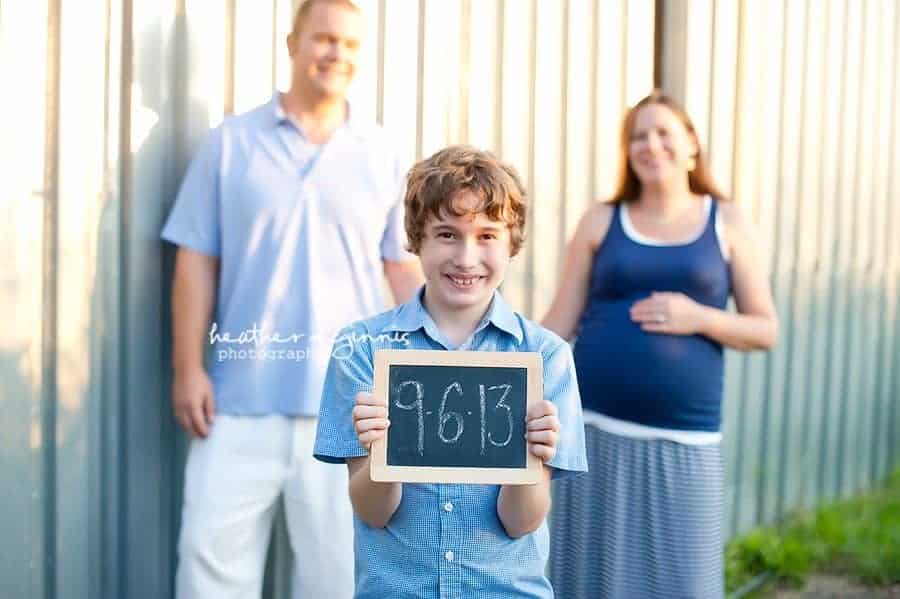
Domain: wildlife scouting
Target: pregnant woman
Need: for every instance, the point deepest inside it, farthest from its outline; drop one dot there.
(645, 287)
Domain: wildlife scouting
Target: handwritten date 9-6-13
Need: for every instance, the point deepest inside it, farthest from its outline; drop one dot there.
(416, 390)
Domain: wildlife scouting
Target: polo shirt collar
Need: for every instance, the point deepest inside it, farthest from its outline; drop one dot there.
(280, 116)
(413, 316)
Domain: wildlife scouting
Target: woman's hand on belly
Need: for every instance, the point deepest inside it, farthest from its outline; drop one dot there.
(670, 314)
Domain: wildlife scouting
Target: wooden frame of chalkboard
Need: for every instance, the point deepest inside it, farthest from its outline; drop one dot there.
(530, 470)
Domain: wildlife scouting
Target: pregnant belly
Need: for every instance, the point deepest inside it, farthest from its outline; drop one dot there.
(646, 377)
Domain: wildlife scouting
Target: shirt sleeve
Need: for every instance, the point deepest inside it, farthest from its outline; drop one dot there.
(350, 371)
(194, 220)
(393, 242)
(561, 388)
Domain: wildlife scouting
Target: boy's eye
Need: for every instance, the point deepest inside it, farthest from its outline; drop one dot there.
(489, 236)
(445, 235)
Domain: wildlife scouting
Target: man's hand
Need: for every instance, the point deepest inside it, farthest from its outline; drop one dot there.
(193, 401)
(370, 419)
(542, 428)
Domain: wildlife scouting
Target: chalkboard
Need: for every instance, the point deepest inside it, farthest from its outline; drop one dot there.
(456, 416)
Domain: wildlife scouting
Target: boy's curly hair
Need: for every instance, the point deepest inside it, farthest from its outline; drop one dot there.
(432, 184)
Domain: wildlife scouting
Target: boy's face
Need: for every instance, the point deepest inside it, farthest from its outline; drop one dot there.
(464, 257)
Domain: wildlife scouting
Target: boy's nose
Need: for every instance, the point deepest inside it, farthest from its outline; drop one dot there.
(467, 256)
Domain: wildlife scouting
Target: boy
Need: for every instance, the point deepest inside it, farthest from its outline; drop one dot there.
(465, 219)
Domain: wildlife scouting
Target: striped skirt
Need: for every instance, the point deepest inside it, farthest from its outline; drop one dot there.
(646, 521)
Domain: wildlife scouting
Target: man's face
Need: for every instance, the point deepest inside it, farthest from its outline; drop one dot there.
(325, 48)
(464, 258)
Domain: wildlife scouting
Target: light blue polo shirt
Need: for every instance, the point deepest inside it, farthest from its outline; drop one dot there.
(446, 540)
(301, 231)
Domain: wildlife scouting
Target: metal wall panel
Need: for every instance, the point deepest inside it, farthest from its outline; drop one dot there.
(811, 154)
(112, 98)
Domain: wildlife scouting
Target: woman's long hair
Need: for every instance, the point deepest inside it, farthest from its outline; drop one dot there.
(628, 186)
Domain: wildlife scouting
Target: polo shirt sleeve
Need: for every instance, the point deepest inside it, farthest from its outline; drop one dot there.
(393, 241)
(561, 388)
(350, 371)
(194, 221)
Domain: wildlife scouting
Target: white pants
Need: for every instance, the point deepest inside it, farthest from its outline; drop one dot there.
(233, 480)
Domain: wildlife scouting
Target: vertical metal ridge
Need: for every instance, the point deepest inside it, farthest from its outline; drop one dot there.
(819, 302)
(50, 297)
(742, 387)
(713, 52)
(125, 227)
(774, 260)
(849, 318)
(801, 201)
(659, 20)
(879, 272)
(465, 67)
(809, 485)
(498, 103)
(420, 80)
(274, 74)
(105, 582)
(379, 84)
(180, 65)
(623, 64)
(563, 136)
(833, 282)
(532, 80)
(230, 25)
(594, 95)
(893, 437)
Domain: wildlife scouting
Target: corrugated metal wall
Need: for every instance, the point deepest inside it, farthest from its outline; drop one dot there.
(106, 100)
(799, 105)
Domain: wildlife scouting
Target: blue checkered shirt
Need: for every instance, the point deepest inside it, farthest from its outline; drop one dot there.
(446, 540)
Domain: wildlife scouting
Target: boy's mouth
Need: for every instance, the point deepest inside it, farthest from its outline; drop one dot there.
(465, 281)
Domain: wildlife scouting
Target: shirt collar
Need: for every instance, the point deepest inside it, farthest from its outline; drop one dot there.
(413, 316)
(279, 116)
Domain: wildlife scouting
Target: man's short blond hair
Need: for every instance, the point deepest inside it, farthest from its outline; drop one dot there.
(306, 6)
(432, 185)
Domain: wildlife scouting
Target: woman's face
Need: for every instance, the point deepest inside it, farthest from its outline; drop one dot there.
(661, 148)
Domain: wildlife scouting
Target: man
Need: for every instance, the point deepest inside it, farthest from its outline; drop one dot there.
(285, 222)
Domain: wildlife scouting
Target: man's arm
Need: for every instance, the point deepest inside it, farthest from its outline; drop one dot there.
(193, 296)
(405, 278)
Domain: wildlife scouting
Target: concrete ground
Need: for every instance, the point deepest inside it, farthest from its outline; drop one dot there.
(826, 586)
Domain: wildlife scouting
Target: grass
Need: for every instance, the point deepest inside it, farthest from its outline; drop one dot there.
(859, 537)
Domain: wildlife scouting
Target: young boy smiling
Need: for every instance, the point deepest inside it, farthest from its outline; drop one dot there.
(465, 219)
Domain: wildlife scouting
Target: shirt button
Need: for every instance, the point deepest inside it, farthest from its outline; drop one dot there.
(448, 507)
(448, 556)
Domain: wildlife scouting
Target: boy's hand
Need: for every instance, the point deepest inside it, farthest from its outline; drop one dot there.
(542, 428)
(369, 419)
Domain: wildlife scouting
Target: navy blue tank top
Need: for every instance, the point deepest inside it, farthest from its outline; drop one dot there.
(666, 381)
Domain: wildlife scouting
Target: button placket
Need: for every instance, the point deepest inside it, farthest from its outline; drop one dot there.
(449, 572)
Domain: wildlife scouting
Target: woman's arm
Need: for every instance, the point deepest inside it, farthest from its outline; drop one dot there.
(572, 294)
(754, 326)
